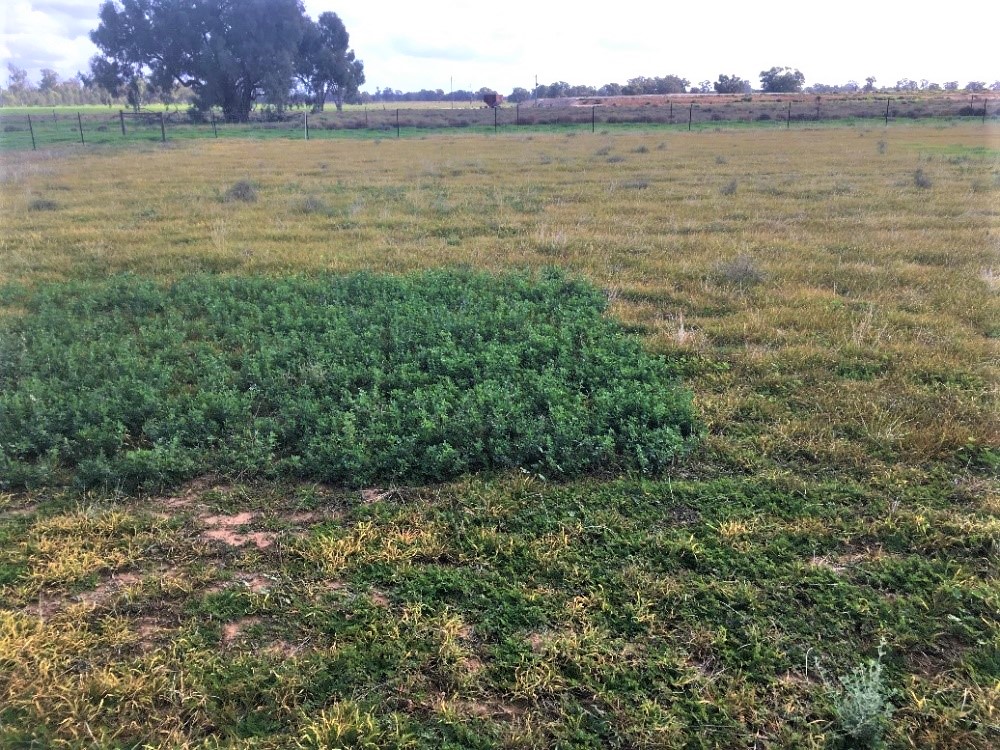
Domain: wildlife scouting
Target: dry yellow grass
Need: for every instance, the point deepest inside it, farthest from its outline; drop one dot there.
(852, 263)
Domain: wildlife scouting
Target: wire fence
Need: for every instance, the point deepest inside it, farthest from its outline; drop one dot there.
(44, 129)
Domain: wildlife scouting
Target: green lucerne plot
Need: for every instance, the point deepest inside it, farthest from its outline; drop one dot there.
(346, 379)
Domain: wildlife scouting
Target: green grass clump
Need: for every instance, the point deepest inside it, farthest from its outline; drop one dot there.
(350, 380)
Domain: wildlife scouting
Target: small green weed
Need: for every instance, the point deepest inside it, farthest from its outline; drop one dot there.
(861, 703)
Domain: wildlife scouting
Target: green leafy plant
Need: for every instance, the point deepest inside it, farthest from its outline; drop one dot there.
(861, 702)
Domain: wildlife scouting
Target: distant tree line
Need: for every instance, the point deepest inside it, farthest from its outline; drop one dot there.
(773, 80)
(51, 91)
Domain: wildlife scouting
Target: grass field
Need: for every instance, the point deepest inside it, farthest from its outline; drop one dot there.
(820, 570)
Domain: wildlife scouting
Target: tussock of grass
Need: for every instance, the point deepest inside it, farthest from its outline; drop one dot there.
(242, 191)
(43, 204)
(351, 380)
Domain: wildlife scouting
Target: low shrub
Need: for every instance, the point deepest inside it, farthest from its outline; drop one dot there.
(741, 271)
(242, 191)
(313, 205)
(353, 380)
(43, 204)
(921, 180)
(729, 188)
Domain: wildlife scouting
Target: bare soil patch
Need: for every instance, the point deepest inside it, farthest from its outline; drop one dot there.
(232, 631)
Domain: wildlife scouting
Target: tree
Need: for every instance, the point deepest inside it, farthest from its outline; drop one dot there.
(519, 95)
(17, 79)
(49, 80)
(231, 53)
(975, 86)
(731, 85)
(669, 84)
(951, 86)
(869, 84)
(782, 80)
(326, 66)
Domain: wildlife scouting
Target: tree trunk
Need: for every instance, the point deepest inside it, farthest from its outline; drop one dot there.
(319, 96)
(237, 102)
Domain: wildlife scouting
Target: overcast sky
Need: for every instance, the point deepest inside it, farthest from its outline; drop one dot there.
(411, 45)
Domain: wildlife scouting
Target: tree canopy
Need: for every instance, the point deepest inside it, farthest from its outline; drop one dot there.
(781, 80)
(731, 85)
(326, 66)
(231, 53)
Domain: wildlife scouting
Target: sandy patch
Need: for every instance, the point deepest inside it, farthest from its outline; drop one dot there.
(225, 529)
(373, 495)
(21, 512)
(232, 631)
(283, 649)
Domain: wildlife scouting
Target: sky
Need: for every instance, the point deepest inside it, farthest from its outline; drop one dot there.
(440, 44)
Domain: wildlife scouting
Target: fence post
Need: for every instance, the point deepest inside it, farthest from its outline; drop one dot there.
(690, 115)
(305, 124)
(121, 118)
(517, 113)
(985, 104)
(788, 119)
(163, 129)
(671, 113)
(593, 119)
(887, 100)
(215, 131)
(79, 121)
(495, 120)
(397, 123)
(32, 131)
(366, 118)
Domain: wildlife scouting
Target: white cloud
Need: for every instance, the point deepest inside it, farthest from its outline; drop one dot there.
(410, 45)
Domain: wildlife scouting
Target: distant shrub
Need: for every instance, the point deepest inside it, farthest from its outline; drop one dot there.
(921, 180)
(741, 271)
(729, 188)
(242, 191)
(354, 380)
(43, 204)
(313, 205)
(640, 150)
(616, 159)
(720, 159)
(883, 147)
(603, 151)
(636, 184)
